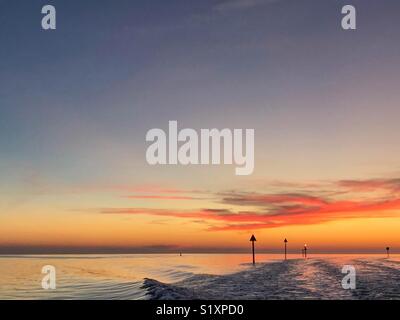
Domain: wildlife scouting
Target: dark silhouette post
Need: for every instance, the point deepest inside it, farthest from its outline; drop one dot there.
(252, 239)
(285, 241)
(387, 250)
(305, 251)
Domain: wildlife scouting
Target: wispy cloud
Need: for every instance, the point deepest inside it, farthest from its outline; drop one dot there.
(150, 188)
(283, 215)
(268, 199)
(371, 184)
(272, 210)
(160, 193)
(160, 197)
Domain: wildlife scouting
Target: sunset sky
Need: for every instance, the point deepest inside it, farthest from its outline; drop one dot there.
(76, 104)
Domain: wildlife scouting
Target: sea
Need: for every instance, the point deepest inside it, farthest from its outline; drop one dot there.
(201, 276)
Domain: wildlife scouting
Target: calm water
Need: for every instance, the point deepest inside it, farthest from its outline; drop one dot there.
(208, 276)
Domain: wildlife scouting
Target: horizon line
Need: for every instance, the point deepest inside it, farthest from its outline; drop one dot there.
(111, 252)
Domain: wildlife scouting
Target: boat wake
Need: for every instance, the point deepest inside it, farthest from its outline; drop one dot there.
(292, 279)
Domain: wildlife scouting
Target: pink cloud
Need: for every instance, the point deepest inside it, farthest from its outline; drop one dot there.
(158, 197)
(266, 210)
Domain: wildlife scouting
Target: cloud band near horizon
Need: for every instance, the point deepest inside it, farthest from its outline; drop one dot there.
(373, 198)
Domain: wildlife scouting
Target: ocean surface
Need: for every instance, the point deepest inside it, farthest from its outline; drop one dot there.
(199, 276)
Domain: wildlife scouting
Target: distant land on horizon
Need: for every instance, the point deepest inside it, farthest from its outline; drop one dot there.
(100, 250)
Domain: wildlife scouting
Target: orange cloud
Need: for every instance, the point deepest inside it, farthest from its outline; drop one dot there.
(286, 215)
(283, 209)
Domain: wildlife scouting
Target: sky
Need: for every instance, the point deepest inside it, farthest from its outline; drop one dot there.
(76, 104)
